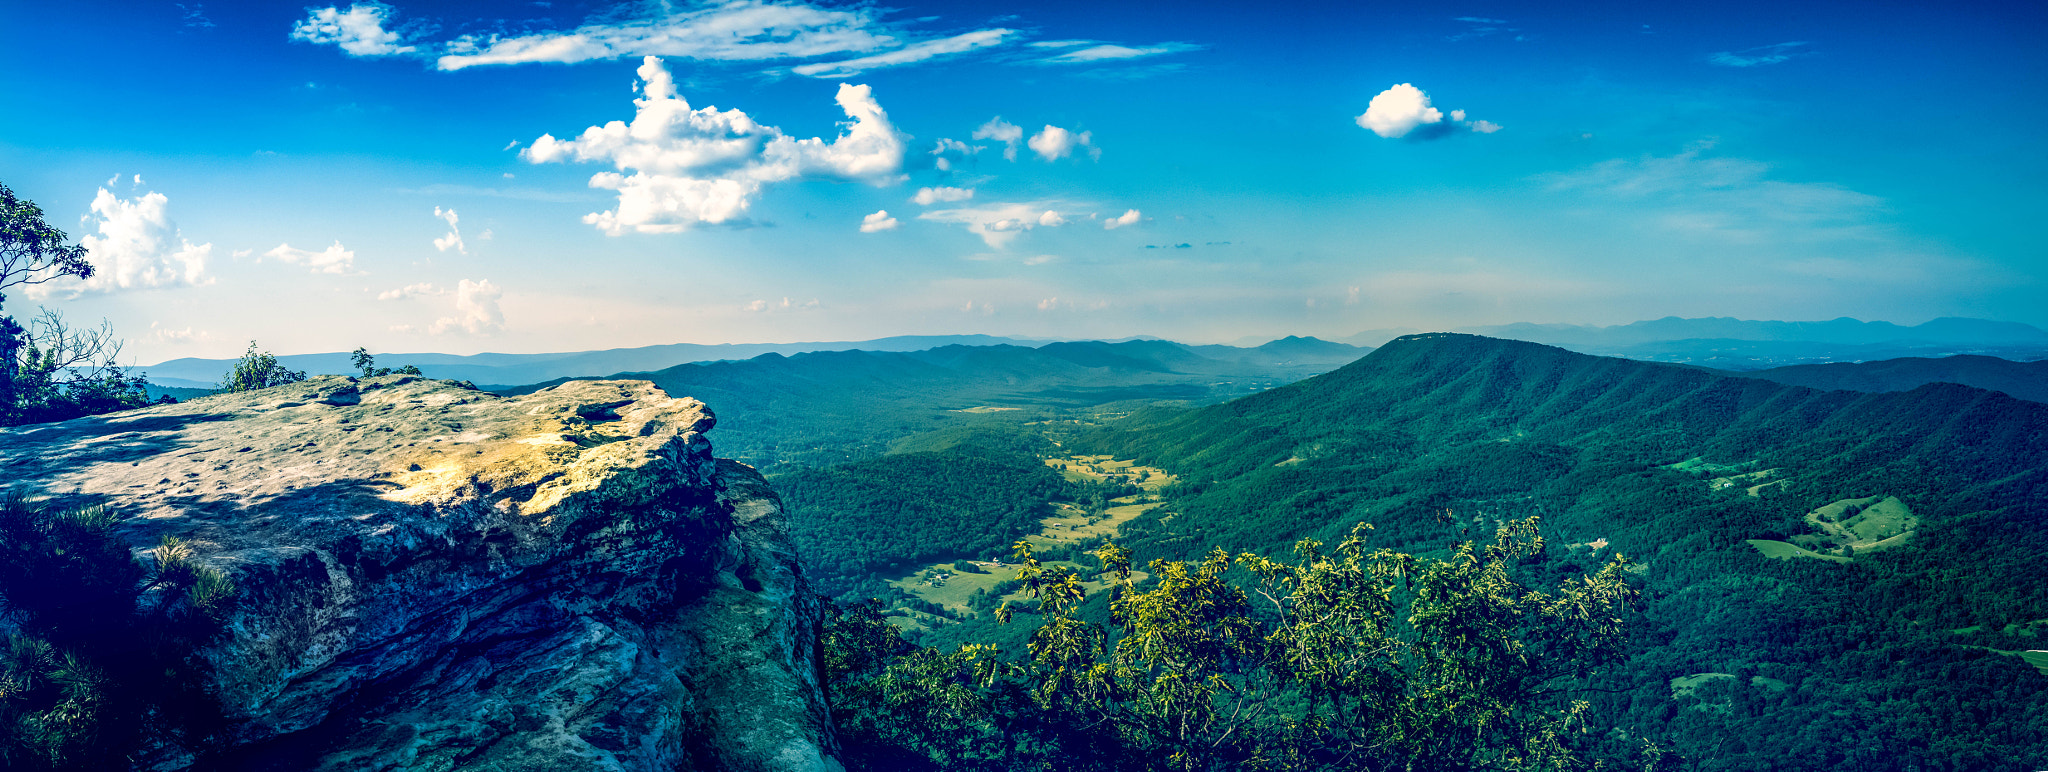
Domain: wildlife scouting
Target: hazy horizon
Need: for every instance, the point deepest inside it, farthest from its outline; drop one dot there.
(446, 177)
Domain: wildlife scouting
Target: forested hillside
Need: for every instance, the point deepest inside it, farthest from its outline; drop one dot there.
(1897, 655)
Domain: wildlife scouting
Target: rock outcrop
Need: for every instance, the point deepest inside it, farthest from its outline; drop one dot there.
(430, 577)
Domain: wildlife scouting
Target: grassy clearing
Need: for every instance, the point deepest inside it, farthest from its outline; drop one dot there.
(1744, 480)
(1106, 468)
(1698, 464)
(1685, 685)
(1786, 551)
(954, 588)
(985, 409)
(2037, 658)
(1073, 524)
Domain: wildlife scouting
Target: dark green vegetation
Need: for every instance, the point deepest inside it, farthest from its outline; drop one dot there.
(1351, 658)
(858, 523)
(2025, 380)
(827, 408)
(1838, 666)
(94, 662)
(257, 369)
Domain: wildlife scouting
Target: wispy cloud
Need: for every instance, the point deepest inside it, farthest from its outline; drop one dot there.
(910, 54)
(999, 224)
(1481, 26)
(1735, 199)
(1089, 51)
(453, 240)
(334, 259)
(195, 15)
(1002, 131)
(1776, 53)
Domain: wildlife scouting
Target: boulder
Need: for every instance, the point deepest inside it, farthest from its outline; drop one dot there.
(430, 577)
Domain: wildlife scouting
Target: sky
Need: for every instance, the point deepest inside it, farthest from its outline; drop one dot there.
(562, 176)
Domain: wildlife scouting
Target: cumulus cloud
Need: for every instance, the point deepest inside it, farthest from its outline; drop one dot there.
(1129, 217)
(1002, 131)
(454, 238)
(879, 221)
(998, 224)
(476, 310)
(1759, 56)
(1049, 304)
(1402, 109)
(929, 196)
(679, 167)
(420, 290)
(1053, 143)
(135, 246)
(334, 259)
(359, 31)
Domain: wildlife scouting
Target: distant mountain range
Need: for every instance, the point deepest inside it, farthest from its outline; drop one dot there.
(515, 369)
(2025, 380)
(1740, 344)
(827, 407)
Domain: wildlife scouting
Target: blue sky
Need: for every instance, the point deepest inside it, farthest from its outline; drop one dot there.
(417, 176)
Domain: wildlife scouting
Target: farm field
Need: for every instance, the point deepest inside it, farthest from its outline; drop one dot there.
(946, 586)
(1786, 551)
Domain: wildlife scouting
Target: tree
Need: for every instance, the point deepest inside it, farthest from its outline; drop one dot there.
(362, 361)
(1346, 659)
(50, 371)
(258, 370)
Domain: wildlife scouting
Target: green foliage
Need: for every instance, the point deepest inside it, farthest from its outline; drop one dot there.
(858, 522)
(1353, 659)
(97, 661)
(258, 370)
(59, 373)
(362, 361)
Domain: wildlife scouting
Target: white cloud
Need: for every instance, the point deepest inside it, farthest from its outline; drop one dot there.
(334, 259)
(420, 290)
(743, 30)
(136, 246)
(879, 221)
(1002, 131)
(1761, 55)
(763, 306)
(694, 166)
(1731, 199)
(1402, 109)
(1053, 143)
(1398, 110)
(929, 196)
(996, 224)
(1129, 217)
(1040, 259)
(162, 334)
(1051, 219)
(476, 310)
(1049, 304)
(1106, 52)
(359, 31)
(951, 152)
(454, 238)
(910, 54)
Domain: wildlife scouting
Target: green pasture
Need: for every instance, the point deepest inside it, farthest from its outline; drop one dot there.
(1784, 550)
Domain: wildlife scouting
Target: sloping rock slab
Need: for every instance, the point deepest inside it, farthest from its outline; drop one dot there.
(434, 578)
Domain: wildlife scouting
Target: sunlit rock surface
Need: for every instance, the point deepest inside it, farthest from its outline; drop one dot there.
(430, 577)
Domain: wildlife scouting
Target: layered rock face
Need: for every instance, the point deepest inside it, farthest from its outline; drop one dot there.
(433, 578)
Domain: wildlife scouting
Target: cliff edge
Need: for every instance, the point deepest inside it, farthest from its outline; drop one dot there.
(434, 578)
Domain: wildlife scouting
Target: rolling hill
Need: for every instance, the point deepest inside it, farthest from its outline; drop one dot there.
(2025, 380)
(1432, 438)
